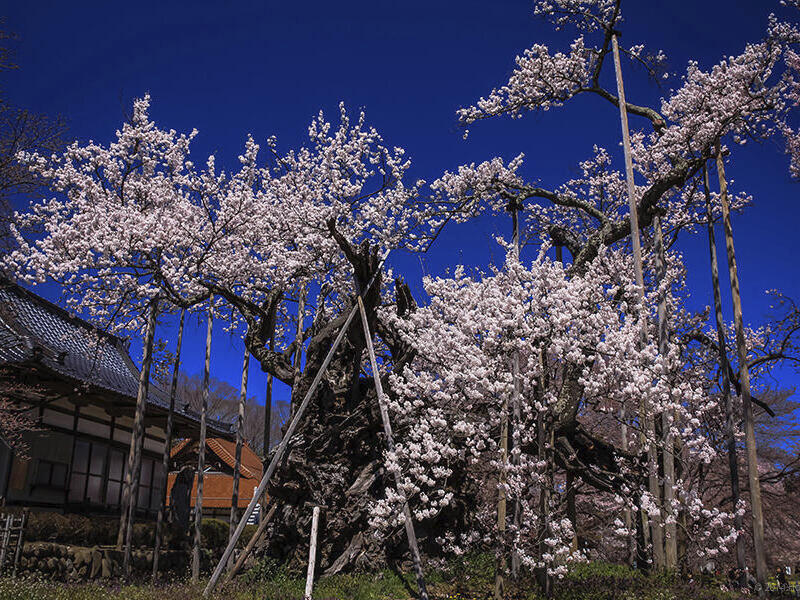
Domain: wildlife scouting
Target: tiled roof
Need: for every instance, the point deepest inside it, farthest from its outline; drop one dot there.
(31, 328)
(251, 467)
(218, 490)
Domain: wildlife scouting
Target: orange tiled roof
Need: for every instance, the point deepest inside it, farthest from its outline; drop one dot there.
(251, 467)
(218, 490)
(226, 450)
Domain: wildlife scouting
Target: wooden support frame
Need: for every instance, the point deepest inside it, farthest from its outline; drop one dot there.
(387, 430)
(165, 457)
(281, 450)
(262, 526)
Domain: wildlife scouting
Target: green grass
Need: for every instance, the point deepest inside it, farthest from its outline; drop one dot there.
(466, 578)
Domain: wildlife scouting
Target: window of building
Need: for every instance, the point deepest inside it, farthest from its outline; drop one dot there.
(98, 475)
(51, 474)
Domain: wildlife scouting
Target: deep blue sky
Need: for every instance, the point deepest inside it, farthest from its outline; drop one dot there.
(230, 69)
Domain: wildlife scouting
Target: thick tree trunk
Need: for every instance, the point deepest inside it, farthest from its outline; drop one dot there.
(237, 465)
(165, 457)
(733, 462)
(201, 454)
(747, 405)
(130, 491)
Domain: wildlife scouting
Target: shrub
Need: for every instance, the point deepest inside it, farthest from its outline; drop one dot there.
(214, 534)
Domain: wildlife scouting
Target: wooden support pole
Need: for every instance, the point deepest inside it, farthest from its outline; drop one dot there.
(730, 430)
(128, 504)
(747, 405)
(543, 430)
(165, 456)
(668, 451)
(279, 452)
(262, 526)
(237, 464)
(516, 406)
(298, 338)
(4, 544)
(201, 452)
(312, 553)
(648, 424)
(408, 520)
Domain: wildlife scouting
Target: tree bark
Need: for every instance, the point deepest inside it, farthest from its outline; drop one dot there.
(644, 412)
(165, 457)
(201, 452)
(747, 405)
(130, 491)
(733, 461)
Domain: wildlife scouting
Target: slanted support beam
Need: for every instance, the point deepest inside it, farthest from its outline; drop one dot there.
(387, 430)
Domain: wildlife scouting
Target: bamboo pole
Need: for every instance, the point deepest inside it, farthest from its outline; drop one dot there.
(128, 511)
(387, 430)
(262, 526)
(173, 392)
(733, 462)
(668, 452)
(262, 486)
(747, 405)
(312, 553)
(201, 452)
(237, 464)
(648, 424)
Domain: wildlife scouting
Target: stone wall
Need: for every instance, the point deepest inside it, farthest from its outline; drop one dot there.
(69, 563)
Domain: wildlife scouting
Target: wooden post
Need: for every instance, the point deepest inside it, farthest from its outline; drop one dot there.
(268, 409)
(201, 452)
(733, 462)
(572, 513)
(20, 540)
(237, 465)
(501, 564)
(279, 452)
(647, 419)
(165, 457)
(298, 351)
(408, 520)
(128, 505)
(542, 439)
(515, 400)
(262, 526)
(4, 544)
(312, 553)
(668, 451)
(747, 405)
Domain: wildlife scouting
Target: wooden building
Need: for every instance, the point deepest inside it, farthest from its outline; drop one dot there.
(80, 384)
(218, 476)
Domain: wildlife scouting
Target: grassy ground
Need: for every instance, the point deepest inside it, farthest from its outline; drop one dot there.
(467, 579)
